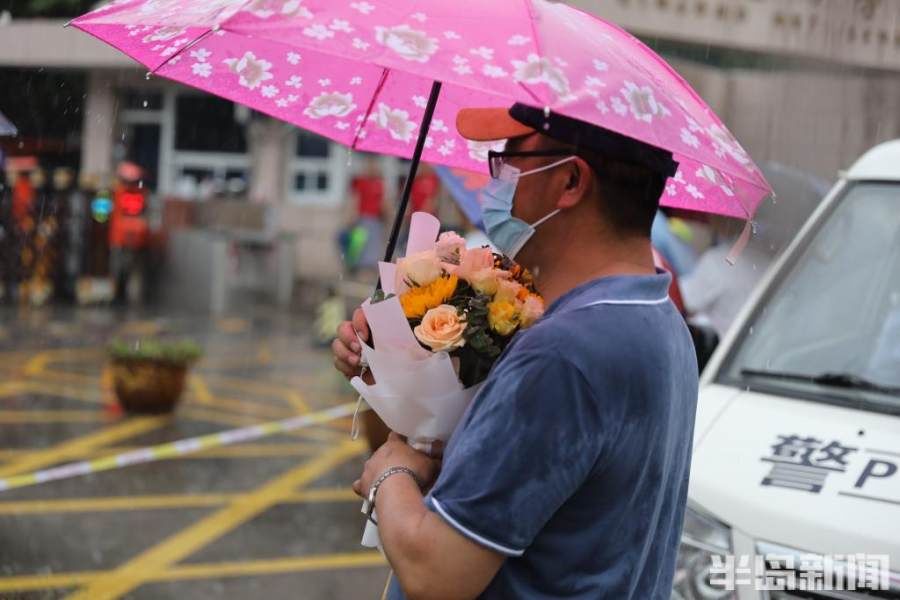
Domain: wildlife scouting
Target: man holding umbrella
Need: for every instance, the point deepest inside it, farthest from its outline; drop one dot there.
(567, 477)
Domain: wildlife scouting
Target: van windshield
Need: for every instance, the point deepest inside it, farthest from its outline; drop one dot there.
(829, 327)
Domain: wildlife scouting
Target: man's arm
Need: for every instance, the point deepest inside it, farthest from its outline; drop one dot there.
(430, 558)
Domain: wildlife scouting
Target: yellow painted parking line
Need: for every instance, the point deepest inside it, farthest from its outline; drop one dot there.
(9, 388)
(207, 414)
(274, 566)
(78, 446)
(200, 389)
(28, 583)
(341, 494)
(323, 562)
(172, 449)
(68, 392)
(37, 363)
(51, 416)
(324, 434)
(296, 400)
(255, 408)
(161, 502)
(318, 433)
(275, 450)
(203, 394)
(68, 377)
(123, 503)
(253, 386)
(152, 563)
(287, 394)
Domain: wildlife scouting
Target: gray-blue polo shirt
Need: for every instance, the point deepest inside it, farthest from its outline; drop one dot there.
(573, 460)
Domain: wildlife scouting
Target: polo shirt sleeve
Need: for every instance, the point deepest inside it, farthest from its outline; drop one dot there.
(528, 443)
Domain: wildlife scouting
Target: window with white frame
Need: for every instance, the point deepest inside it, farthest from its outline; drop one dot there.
(317, 170)
(210, 146)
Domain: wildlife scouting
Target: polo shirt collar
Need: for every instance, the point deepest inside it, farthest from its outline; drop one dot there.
(619, 289)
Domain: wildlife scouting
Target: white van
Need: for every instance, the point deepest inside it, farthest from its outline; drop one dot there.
(795, 483)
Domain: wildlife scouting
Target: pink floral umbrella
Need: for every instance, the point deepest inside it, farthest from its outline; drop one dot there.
(365, 74)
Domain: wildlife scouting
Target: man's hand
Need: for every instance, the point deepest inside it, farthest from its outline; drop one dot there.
(396, 453)
(345, 348)
(431, 559)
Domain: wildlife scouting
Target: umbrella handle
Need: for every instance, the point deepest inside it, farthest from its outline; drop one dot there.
(407, 187)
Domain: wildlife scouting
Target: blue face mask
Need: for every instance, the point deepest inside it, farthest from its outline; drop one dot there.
(508, 233)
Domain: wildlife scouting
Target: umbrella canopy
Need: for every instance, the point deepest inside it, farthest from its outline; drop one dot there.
(6, 127)
(360, 73)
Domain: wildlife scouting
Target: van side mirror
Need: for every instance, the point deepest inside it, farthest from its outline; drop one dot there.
(706, 340)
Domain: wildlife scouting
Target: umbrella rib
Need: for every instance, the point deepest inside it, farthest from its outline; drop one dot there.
(375, 94)
(216, 27)
(183, 49)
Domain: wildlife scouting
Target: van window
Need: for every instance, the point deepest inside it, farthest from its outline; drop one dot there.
(836, 308)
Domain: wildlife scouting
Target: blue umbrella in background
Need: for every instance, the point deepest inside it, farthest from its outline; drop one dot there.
(6, 127)
(463, 186)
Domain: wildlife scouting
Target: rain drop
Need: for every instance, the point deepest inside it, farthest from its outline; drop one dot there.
(750, 331)
(145, 104)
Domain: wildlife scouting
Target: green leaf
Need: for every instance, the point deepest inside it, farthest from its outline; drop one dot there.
(177, 352)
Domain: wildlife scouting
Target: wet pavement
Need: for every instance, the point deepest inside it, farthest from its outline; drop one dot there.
(270, 518)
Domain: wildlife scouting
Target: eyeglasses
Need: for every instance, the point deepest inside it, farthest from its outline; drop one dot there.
(496, 160)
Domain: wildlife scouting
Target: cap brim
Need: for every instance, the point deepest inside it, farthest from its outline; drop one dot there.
(489, 124)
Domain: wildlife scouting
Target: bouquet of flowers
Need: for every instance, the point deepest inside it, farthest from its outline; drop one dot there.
(444, 316)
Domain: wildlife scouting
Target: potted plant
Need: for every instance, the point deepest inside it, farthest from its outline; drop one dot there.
(149, 375)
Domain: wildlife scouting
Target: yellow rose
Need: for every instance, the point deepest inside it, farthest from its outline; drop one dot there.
(486, 281)
(418, 269)
(418, 300)
(509, 291)
(503, 316)
(441, 329)
(532, 309)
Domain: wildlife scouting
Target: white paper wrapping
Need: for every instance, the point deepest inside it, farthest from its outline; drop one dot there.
(417, 393)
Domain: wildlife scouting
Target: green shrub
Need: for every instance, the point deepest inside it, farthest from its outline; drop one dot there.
(181, 352)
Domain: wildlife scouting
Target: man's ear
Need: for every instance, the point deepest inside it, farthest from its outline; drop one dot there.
(579, 178)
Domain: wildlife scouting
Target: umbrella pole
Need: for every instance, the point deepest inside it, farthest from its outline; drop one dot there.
(407, 187)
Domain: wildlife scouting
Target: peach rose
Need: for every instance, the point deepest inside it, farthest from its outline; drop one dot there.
(532, 310)
(474, 260)
(450, 247)
(442, 328)
(418, 269)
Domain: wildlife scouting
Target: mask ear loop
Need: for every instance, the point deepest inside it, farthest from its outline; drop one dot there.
(550, 166)
(539, 221)
(545, 168)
